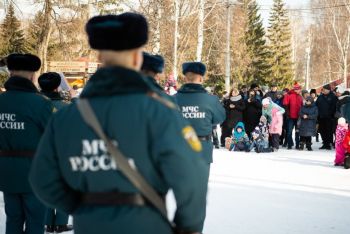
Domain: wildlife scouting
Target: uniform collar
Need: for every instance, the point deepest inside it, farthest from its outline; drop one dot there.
(113, 81)
(17, 83)
(154, 82)
(192, 88)
(53, 95)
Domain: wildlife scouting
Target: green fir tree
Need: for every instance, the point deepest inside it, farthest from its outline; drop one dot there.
(279, 34)
(12, 36)
(258, 69)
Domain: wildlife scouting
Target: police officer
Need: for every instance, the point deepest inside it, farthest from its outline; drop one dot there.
(49, 82)
(152, 67)
(80, 176)
(24, 113)
(201, 109)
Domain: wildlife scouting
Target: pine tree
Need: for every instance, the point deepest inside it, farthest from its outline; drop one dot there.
(12, 36)
(258, 69)
(279, 34)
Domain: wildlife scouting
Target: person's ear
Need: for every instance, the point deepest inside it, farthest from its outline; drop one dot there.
(137, 59)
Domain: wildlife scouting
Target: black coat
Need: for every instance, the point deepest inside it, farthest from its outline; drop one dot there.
(233, 115)
(252, 114)
(308, 126)
(326, 106)
(341, 102)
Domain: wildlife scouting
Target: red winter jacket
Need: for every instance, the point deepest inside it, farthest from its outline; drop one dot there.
(346, 142)
(293, 102)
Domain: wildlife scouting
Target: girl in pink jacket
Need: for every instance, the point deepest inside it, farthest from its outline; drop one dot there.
(340, 134)
(276, 128)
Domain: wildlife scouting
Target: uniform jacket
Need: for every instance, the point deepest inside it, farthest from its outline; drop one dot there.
(293, 102)
(24, 113)
(326, 105)
(155, 138)
(276, 122)
(203, 111)
(233, 115)
(308, 126)
(57, 101)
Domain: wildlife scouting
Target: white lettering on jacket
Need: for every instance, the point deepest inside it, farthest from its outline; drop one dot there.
(192, 112)
(8, 121)
(94, 158)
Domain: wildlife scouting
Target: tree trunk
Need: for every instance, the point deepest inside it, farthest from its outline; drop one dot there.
(228, 48)
(43, 44)
(156, 37)
(200, 30)
(176, 36)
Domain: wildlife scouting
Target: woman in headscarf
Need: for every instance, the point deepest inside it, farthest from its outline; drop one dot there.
(234, 106)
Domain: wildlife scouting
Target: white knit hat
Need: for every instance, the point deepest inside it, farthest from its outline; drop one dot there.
(341, 121)
(341, 89)
(265, 101)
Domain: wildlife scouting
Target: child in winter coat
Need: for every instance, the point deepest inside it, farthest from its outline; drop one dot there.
(258, 142)
(276, 128)
(263, 128)
(340, 134)
(240, 140)
(307, 123)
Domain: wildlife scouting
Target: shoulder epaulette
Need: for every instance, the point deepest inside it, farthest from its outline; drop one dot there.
(162, 100)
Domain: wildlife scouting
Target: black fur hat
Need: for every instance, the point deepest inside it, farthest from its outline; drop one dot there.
(117, 32)
(49, 81)
(154, 63)
(23, 62)
(194, 67)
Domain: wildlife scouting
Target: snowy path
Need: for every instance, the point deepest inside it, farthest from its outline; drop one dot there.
(288, 192)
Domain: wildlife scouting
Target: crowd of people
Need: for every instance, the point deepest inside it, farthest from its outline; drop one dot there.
(78, 158)
(264, 122)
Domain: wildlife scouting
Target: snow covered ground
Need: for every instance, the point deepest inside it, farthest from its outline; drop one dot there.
(288, 192)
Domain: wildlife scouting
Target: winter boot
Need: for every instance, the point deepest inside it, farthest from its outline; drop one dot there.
(50, 228)
(301, 146)
(308, 146)
(63, 228)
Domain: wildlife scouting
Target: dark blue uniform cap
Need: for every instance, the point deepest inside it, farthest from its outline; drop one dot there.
(117, 32)
(154, 63)
(23, 62)
(49, 81)
(194, 67)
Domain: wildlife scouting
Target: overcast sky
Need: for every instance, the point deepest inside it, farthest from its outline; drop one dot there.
(27, 7)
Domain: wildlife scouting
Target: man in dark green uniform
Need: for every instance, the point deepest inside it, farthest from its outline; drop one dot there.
(152, 67)
(49, 82)
(201, 109)
(24, 113)
(80, 176)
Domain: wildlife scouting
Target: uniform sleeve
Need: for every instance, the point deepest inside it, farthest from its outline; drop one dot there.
(219, 113)
(182, 166)
(46, 179)
(45, 114)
